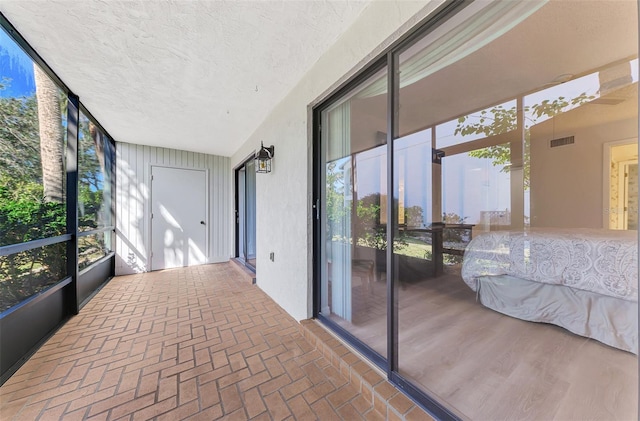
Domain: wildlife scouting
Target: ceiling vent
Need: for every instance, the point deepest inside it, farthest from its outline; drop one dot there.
(563, 141)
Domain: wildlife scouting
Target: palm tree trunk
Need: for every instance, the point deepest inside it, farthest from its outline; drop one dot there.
(51, 136)
(98, 143)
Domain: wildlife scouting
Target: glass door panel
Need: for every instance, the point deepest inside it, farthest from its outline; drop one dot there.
(354, 214)
(246, 213)
(250, 213)
(241, 180)
(515, 182)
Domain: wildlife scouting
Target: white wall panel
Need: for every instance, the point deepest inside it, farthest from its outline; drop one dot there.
(133, 202)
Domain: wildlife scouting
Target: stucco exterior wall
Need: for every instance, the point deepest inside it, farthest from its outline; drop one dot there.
(284, 197)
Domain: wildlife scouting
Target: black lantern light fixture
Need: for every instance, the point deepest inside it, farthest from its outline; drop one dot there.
(263, 159)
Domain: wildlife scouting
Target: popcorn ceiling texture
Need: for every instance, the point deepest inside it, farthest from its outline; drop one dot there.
(192, 75)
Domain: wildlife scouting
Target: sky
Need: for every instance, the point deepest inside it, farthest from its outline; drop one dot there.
(16, 65)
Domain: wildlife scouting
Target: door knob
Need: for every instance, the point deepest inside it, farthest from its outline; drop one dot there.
(202, 223)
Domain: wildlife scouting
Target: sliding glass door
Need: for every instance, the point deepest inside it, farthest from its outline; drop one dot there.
(246, 213)
(353, 291)
(512, 286)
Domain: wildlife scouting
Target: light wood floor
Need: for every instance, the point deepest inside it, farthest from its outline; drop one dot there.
(487, 366)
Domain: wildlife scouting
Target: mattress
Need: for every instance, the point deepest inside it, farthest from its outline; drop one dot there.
(609, 320)
(599, 261)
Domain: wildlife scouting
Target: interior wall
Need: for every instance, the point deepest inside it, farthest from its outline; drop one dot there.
(133, 202)
(284, 197)
(567, 181)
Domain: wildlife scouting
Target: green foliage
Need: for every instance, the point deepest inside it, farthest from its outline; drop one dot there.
(91, 205)
(90, 179)
(25, 216)
(369, 230)
(417, 247)
(413, 217)
(457, 238)
(19, 137)
(490, 122)
(337, 209)
(452, 218)
(498, 120)
(90, 249)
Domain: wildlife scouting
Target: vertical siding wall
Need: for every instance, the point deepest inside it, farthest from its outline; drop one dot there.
(133, 202)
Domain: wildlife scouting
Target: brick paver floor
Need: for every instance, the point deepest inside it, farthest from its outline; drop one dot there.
(192, 343)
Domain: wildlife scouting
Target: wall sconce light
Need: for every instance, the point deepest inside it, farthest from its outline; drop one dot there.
(263, 158)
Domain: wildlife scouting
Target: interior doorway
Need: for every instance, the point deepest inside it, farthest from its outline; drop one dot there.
(178, 217)
(621, 165)
(246, 213)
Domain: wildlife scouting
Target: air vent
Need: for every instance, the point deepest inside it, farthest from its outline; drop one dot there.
(570, 140)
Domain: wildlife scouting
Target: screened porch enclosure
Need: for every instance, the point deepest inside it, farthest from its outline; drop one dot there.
(56, 202)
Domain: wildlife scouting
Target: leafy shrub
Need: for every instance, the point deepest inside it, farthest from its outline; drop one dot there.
(25, 216)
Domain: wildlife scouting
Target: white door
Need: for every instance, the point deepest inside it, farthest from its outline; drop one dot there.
(179, 217)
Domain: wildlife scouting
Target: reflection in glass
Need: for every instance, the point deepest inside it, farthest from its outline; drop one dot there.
(353, 288)
(92, 248)
(30, 272)
(516, 185)
(94, 210)
(622, 186)
(476, 190)
(414, 240)
(32, 138)
(485, 123)
(247, 212)
(250, 211)
(32, 174)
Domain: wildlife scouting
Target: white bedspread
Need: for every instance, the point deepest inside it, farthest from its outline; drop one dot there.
(600, 261)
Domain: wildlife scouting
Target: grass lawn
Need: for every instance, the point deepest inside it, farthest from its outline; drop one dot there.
(416, 248)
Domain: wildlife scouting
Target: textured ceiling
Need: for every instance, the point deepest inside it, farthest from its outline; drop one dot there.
(192, 75)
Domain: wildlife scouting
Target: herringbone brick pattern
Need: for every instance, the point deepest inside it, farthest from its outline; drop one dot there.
(192, 343)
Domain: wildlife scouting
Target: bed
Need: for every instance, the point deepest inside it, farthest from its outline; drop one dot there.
(585, 281)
